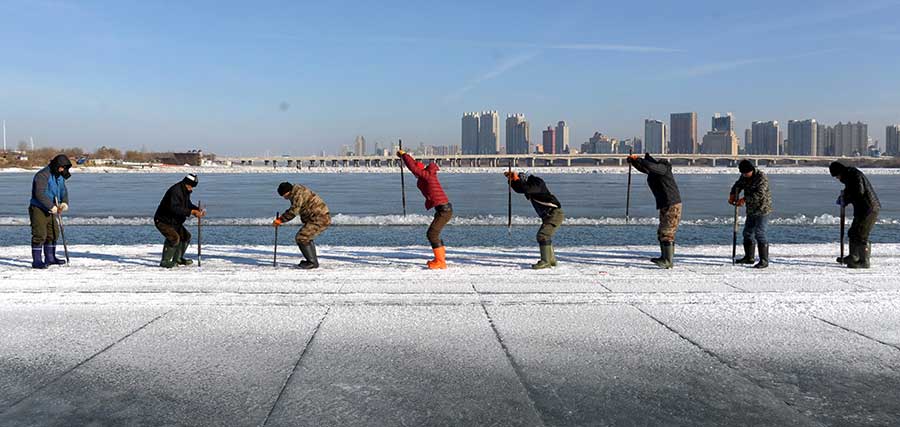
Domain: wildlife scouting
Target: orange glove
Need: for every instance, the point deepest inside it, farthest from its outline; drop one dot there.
(731, 199)
(512, 176)
(277, 222)
(634, 157)
(400, 153)
(742, 202)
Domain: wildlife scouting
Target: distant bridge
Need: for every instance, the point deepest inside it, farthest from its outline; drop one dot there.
(528, 160)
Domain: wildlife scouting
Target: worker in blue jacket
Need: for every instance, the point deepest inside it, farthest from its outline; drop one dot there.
(48, 199)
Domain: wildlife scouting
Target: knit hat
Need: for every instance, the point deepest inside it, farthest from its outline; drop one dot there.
(745, 166)
(284, 188)
(837, 168)
(190, 179)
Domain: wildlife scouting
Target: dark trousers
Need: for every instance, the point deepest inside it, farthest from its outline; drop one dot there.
(549, 224)
(174, 234)
(861, 227)
(442, 215)
(43, 226)
(755, 229)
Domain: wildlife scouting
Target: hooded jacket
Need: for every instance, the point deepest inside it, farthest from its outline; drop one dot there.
(660, 180)
(175, 206)
(536, 191)
(427, 181)
(756, 192)
(49, 185)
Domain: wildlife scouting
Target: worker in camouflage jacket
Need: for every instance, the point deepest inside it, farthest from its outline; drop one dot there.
(49, 198)
(313, 212)
(858, 191)
(755, 186)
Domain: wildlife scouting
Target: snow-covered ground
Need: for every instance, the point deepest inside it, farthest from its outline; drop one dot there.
(542, 170)
(373, 338)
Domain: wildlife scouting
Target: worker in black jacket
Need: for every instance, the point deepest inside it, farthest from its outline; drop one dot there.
(668, 201)
(173, 211)
(547, 207)
(858, 192)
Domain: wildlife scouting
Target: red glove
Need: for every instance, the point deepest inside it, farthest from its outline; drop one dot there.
(741, 202)
(277, 222)
(634, 157)
(512, 176)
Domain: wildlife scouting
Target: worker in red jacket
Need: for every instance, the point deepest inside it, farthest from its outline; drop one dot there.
(427, 181)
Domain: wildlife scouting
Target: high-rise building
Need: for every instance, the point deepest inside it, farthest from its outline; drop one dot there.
(489, 133)
(766, 138)
(360, 145)
(683, 127)
(723, 123)
(892, 140)
(549, 140)
(720, 142)
(748, 140)
(470, 128)
(655, 137)
(802, 139)
(824, 140)
(851, 139)
(600, 144)
(562, 137)
(518, 134)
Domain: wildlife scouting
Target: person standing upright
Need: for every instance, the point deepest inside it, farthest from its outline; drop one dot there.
(173, 210)
(49, 197)
(858, 191)
(755, 185)
(668, 202)
(428, 183)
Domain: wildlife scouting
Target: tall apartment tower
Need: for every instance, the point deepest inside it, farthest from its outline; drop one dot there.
(824, 140)
(684, 133)
(562, 137)
(360, 146)
(549, 140)
(802, 140)
(518, 134)
(748, 140)
(489, 133)
(766, 138)
(655, 141)
(892, 140)
(470, 127)
(851, 139)
(723, 123)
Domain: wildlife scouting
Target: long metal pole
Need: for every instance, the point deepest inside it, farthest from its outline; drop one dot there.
(734, 233)
(62, 229)
(628, 192)
(509, 199)
(843, 225)
(402, 181)
(199, 234)
(275, 257)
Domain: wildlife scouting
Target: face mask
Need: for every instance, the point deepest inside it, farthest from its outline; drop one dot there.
(66, 174)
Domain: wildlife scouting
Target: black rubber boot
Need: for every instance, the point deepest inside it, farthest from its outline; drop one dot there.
(749, 253)
(179, 256)
(863, 255)
(763, 256)
(309, 252)
(546, 257)
(667, 250)
(50, 255)
(851, 255)
(37, 260)
(168, 256)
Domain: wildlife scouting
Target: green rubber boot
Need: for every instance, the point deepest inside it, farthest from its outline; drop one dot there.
(168, 256)
(546, 254)
(667, 252)
(863, 254)
(552, 256)
(179, 257)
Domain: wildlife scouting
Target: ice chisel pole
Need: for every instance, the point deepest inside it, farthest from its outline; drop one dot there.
(509, 199)
(734, 234)
(402, 181)
(62, 229)
(628, 192)
(275, 254)
(843, 225)
(199, 234)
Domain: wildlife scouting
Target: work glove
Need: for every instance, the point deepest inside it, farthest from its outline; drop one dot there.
(731, 199)
(741, 201)
(633, 157)
(54, 210)
(401, 153)
(198, 213)
(63, 206)
(277, 222)
(512, 176)
(840, 200)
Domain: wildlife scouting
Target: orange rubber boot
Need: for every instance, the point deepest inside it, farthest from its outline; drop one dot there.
(440, 259)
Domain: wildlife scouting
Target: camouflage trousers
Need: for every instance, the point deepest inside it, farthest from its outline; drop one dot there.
(669, 218)
(549, 225)
(312, 228)
(43, 226)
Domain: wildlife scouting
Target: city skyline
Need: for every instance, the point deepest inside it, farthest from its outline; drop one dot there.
(247, 79)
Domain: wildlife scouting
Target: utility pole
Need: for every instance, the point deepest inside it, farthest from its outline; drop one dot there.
(32, 142)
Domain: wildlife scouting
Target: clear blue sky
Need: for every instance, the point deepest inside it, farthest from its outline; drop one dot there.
(296, 77)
